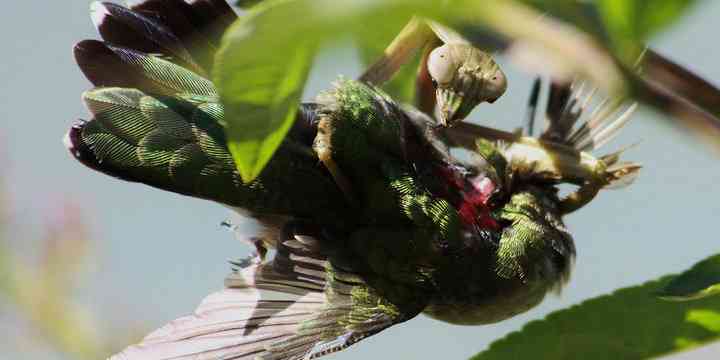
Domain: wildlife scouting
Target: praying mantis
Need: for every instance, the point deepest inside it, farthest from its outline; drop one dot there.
(460, 75)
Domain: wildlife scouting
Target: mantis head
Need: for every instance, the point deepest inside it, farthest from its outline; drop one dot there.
(464, 77)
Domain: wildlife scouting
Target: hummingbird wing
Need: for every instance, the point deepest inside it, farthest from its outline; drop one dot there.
(187, 32)
(157, 118)
(299, 306)
(199, 24)
(177, 143)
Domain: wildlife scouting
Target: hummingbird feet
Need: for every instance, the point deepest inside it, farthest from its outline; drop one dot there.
(246, 262)
(256, 257)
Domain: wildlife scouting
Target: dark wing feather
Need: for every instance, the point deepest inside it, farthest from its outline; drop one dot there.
(158, 120)
(123, 27)
(199, 25)
(213, 17)
(110, 66)
(559, 115)
(296, 307)
(103, 68)
(176, 16)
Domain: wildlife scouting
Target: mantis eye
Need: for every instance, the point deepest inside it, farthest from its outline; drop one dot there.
(441, 65)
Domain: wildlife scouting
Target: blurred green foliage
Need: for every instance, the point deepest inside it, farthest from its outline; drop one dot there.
(41, 292)
(371, 47)
(631, 22)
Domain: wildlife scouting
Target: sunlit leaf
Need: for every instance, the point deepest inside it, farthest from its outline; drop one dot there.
(631, 323)
(261, 78)
(702, 280)
(631, 22)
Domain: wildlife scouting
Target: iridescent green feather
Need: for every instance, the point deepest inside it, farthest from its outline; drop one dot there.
(365, 138)
(171, 136)
(536, 229)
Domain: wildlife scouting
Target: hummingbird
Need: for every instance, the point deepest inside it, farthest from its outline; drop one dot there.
(373, 220)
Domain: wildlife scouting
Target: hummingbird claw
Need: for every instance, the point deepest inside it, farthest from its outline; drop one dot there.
(261, 250)
(253, 259)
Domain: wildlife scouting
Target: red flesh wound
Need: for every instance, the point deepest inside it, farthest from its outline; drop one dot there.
(476, 192)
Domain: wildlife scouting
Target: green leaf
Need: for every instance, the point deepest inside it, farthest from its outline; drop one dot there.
(702, 280)
(631, 323)
(631, 22)
(265, 59)
(260, 78)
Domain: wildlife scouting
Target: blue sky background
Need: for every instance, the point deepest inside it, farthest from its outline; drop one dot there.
(157, 254)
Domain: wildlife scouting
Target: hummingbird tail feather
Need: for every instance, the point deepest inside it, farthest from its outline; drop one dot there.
(604, 128)
(560, 113)
(569, 103)
(289, 308)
